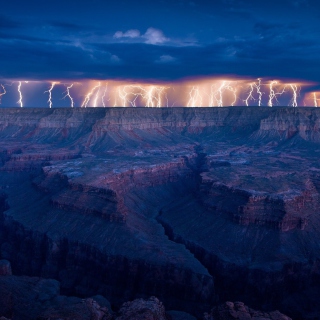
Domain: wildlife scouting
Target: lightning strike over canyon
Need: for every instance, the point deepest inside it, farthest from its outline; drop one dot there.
(295, 90)
(104, 95)
(218, 95)
(315, 100)
(4, 91)
(147, 96)
(67, 94)
(20, 102)
(125, 92)
(89, 95)
(258, 87)
(154, 97)
(95, 101)
(50, 93)
(189, 93)
(195, 99)
(250, 96)
(273, 94)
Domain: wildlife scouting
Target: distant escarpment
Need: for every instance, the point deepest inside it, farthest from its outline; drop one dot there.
(196, 206)
(101, 126)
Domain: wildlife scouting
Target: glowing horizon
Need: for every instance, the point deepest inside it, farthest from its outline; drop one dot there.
(205, 92)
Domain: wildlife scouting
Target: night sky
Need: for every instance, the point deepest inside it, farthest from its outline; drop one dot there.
(159, 40)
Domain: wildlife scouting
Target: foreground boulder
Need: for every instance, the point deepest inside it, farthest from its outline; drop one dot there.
(140, 309)
(30, 298)
(239, 311)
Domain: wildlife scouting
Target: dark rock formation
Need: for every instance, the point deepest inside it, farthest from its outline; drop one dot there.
(193, 205)
(24, 298)
(5, 268)
(238, 311)
(180, 315)
(139, 309)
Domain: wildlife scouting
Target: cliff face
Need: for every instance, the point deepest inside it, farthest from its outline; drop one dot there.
(141, 201)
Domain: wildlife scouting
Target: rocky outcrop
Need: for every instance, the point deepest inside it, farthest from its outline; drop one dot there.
(139, 309)
(249, 207)
(75, 309)
(29, 298)
(25, 298)
(103, 195)
(286, 123)
(100, 125)
(239, 311)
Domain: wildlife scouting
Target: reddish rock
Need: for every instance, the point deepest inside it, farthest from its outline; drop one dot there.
(140, 309)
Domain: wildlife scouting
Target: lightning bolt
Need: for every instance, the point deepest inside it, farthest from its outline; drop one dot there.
(258, 87)
(20, 94)
(220, 93)
(124, 94)
(234, 91)
(273, 95)
(212, 96)
(149, 97)
(250, 96)
(3, 93)
(195, 99)
(217, 95)
(50, 93)
(315, 100)
(152, 95)
(96, 96)
(88, 96)
(295, 91)
(103, 96)
(67, 92)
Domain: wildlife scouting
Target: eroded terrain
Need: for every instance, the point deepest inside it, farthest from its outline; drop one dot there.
(196, 206)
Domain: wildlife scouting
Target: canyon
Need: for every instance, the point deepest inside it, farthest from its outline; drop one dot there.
(196, 206)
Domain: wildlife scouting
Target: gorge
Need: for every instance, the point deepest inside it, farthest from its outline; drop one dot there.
(196, 206)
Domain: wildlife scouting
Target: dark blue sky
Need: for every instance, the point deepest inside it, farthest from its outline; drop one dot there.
(159, 39)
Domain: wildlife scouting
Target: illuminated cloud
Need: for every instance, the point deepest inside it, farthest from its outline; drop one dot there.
(166, 58)
(115, 59)
(155, 36)
(151, 36)
(133, 33)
